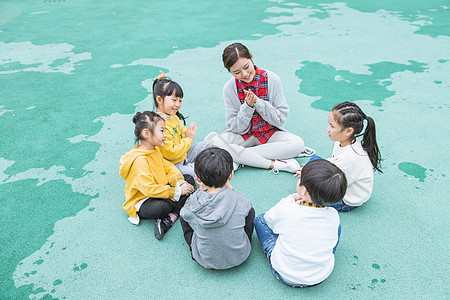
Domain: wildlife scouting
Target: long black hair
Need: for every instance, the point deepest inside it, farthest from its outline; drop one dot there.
(163, 86)
(349, 114)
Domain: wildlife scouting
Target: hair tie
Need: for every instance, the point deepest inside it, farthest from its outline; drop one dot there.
(161, 76)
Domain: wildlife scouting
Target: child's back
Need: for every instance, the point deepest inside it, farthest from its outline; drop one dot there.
(219, 240)
(299, 235)
(303, 252)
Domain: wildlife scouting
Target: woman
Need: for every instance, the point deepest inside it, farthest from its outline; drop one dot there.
(256, 111)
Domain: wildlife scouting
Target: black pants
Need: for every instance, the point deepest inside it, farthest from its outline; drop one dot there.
(248, 227)
(158, 208)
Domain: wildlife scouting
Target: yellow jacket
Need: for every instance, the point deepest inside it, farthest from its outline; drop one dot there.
(176, 146)
(147, 174)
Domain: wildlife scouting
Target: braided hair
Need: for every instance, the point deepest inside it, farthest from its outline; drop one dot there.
(349, 114)
(145, 120)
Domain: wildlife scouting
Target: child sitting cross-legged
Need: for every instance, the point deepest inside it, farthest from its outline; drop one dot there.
(299, 235)
(217, 220)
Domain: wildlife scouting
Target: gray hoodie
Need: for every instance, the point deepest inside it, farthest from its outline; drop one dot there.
(219, 240)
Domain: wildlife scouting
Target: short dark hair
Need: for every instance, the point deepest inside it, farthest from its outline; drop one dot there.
(324, 181)
(213, 167)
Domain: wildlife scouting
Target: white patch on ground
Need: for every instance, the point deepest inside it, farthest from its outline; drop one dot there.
(39, 58)
(3, 111)
(100, 235)
(4, 164)
(9, 12)
(40, 12)
(77, 139)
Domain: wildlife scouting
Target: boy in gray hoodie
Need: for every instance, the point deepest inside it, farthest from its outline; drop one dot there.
(217, 220)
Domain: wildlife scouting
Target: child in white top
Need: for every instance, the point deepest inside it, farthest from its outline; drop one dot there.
(356, 158)
(299, 235)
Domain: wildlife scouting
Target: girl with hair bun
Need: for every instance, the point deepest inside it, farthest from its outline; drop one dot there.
(154, 188)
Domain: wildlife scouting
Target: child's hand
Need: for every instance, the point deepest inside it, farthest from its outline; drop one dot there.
(250, 98)
(190, 131)
(186, 188)
(296, 197)
(299, 172)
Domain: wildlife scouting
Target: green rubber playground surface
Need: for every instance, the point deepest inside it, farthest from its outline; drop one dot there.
(74, 72)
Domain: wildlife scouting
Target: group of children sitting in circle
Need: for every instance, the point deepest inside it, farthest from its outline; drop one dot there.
(168, 176)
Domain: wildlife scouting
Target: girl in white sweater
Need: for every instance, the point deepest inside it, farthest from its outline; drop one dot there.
(358, 159)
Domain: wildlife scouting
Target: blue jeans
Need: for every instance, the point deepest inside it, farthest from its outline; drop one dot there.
(314, 157)
(268, 240)
(341, 206)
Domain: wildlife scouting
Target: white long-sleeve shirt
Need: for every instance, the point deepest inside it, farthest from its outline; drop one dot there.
(303, 252)
(354, 161)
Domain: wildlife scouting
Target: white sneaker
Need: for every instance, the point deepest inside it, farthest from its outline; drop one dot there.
(288, 165)
(307, 152)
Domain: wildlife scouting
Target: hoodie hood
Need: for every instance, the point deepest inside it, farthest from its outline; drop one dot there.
(127, 160)
(211, 210)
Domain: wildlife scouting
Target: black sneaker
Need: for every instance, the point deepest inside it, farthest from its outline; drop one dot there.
(161, 227)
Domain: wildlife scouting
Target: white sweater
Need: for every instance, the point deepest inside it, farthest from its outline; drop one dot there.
(354, 161)
(303, 253)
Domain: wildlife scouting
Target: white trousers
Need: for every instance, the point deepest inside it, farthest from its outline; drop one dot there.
(250, 152)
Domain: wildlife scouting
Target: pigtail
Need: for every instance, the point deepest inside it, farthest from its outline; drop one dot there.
(350, 115)
(181, 117)
(369, 143)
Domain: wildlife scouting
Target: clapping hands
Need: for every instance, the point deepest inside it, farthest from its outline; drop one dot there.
(250, 98)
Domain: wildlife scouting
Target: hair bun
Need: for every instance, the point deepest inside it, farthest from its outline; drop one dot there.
(136, 117)
(161, 77)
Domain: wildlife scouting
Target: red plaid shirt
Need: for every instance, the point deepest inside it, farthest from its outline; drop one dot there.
(260, 128)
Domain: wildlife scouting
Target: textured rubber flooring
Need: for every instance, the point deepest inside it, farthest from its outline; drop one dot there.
(73, 73)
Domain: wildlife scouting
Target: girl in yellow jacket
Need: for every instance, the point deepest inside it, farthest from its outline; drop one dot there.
(178, 148)
(154, 188)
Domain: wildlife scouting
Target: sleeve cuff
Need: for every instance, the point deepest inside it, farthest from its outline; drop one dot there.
(177, 195)
(248, 109)
(258, 103)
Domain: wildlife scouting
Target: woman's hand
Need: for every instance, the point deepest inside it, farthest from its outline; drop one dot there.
(250, 98)
(186, 188)
(190, 131)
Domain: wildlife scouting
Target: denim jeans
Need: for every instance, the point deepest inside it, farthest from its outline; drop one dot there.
(268, 240)
(341, 206)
